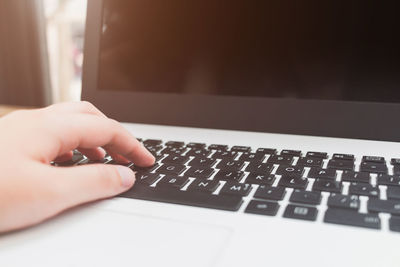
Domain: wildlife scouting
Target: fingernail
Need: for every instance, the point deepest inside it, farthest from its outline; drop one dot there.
(127, 176)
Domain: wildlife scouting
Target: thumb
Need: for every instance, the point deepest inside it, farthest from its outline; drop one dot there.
(82, 184)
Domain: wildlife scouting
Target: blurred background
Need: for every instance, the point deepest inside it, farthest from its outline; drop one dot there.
(65, 28)
(41, 51)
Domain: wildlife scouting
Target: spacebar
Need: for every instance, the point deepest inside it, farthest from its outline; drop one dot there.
(198, 199)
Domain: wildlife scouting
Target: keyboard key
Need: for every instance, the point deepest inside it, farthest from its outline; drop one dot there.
(158, 157)
(327, 185)
(305, 197)
(343, 157)
(293, 182)
(147, 178)
(300, 212)
(348, 217)
(386, 206)
(233, 188)
(270, 193)
(218, 147)
(252, 157)
(76, 157)
(318, 173)
(395, 161)
(363, 189)
(396, 169)
(202, 153)
(385, 179)
(176, 159)
(196, 145)
(241, 148)
(310, 162)
(290, 171)
(264, 151)
(232, 165)
(154, 149)
(174, 144)
(351, 176)
(229, 175)
(262, 207)
(320, 155)
(373, 159)
(393, 192)
(173, 150)
(344, 201)
(198, 172)
(263, 168)
(295, 153)
(225, 155)
(194, 198)
(341, 164)
(394, 223)
(203, 185)
(144, 169)
(257, 178)
(283, 160)
(89, 161)
(202, 162)
(152, 142)
(373, 167)
(172, 169)
(113, 162)
(173, 181)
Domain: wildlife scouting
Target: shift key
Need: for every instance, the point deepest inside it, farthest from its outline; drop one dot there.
(353, 218)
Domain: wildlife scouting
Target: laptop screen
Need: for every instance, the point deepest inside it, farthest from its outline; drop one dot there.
(332, 50)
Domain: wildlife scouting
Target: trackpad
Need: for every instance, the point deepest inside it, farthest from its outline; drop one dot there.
(97, 237)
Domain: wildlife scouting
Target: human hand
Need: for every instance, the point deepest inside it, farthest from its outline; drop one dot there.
(31, 190)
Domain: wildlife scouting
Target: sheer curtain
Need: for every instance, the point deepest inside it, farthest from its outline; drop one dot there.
(24, 71)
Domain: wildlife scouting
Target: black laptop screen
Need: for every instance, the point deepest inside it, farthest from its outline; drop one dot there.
(336, 50)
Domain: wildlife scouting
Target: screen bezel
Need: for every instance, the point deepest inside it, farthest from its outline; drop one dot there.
(359, 120)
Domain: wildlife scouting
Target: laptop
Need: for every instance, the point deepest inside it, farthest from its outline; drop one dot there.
(274, 125)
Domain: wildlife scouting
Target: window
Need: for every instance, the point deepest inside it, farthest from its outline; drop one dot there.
(65, 26)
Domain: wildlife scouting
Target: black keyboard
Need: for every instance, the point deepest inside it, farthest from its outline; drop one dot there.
(228, 178)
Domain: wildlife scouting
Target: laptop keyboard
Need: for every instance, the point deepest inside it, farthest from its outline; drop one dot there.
(256, 181)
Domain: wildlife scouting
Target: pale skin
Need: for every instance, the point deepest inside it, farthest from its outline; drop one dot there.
(32, 191)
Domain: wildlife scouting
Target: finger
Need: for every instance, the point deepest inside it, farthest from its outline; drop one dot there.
(89, 131)
(76, 107)
(93, 153)
(80, 184)
(64, 157)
